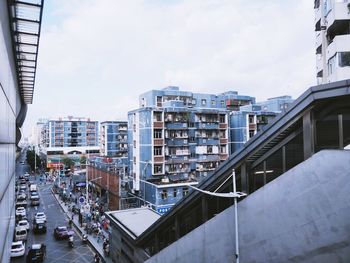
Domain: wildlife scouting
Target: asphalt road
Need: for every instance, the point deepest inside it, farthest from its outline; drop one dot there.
(56, 251)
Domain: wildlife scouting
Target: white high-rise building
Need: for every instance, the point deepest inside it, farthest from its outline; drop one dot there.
(332, 26)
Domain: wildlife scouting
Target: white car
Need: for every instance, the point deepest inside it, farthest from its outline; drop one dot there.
(18, 249)
(21, 211)
(40, 216)
(24, 224)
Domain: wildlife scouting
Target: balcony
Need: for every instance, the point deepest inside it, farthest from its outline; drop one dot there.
(158, 124)
(223, 126)
(158, 142)
(176, 142)
(340, 11)
(340, 43)
(207, 141)
(207, 125)
(173, 159)
(208, 158)
(176, 126)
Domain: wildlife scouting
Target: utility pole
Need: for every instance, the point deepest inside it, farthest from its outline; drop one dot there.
(34, 161)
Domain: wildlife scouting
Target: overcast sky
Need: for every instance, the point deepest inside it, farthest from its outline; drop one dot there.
(96, 57)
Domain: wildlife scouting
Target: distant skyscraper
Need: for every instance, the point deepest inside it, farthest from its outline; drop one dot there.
(332, 26)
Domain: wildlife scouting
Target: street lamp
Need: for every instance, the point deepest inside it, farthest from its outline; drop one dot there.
(234, 195)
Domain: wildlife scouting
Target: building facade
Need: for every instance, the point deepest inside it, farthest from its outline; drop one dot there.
(250, 119)
(105, 176)
(332, 26)
(114, 138)
(177, 138)
(69, 137)
(17, 78)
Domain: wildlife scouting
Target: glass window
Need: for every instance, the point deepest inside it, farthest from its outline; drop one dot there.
(164, 194)
(294, 152)
(157, 116)
(222, 103)
(158, 169)
(158, 150)
(175, 192)
(344, 59)
(184, 191)
(274, 166)
(204, 102)
(331, 65)
(346, 129)
(157, 134)
(256, 179)
(213, 103)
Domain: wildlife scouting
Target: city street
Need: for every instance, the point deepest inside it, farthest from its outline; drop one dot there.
(56, 251)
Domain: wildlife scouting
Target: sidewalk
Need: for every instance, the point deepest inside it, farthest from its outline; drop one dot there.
(91, 239)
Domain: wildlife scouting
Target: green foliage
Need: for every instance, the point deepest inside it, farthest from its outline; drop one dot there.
(31, 159)
(83, 160)
(68, 162)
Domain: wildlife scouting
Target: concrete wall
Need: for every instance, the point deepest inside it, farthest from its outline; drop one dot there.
(302, 216)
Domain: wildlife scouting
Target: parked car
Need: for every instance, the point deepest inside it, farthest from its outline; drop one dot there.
(18, 249)
(36, 253)
(39, 227)
(21, 195)
(40, 216)
(21, 211)
(24, 224)
(21, 234)
(34, 194)
(61, 232)
(21, 203)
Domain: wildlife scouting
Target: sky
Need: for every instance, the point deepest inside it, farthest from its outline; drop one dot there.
(97, 57)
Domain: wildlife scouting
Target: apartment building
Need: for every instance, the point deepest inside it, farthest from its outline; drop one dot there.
(332, 26)
(177, 138)
(114, 138)
(20, 26)
(69, 137)
(250, 119)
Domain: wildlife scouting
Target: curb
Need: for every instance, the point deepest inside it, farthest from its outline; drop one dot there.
(80, 231)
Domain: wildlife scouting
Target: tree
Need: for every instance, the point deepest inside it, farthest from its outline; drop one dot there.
(31, 159)
(83, 160)
(68, 163)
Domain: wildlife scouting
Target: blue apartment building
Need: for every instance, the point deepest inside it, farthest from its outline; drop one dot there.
(114, 138)
(177, 138)
(250, 119)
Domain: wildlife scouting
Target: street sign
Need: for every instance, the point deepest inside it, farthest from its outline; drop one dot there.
(81, 199)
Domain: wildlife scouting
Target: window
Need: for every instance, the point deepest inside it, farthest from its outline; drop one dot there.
(331, 65)
(213, 103)
(222, 118)
(164, 194)
(191, 124)
(222, 103)
(222, 149)
(134, 159)
(194, 101)
(184, 191)
(193, 155)
(209, 149)
(157, 134)
(134, 143)
(175, 192)
(204, 102)
(158, 150)
(344, 59)
(157, 116)
(158, 169)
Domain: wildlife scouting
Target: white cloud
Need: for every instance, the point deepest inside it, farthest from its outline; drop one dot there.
(96, 57)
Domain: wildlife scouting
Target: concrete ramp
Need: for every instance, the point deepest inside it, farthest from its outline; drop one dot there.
(302, 216)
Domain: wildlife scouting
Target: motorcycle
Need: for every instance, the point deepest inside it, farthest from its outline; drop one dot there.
(85, 238)
(71, 242)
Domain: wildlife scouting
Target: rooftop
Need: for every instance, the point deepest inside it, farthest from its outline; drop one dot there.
(134, 221)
